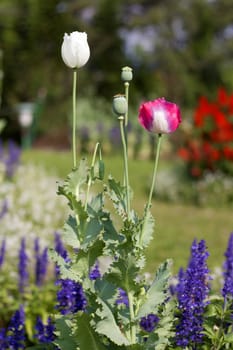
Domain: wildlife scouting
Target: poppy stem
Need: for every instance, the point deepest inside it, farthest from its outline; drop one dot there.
(154, 171)
(74, 117)
(126, 172)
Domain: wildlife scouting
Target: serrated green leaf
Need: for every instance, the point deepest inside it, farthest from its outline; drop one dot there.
(96, 205)
(111, 237)
(76, 178)
(106, 291)
(65, 270)
(123, 272)
(106, 325)
(86, 336)
(164, 332)
(65, 337)
(85, 260)
(117, 194)
(146, 232)
(70, 233)
(157, 292)
(92, 230)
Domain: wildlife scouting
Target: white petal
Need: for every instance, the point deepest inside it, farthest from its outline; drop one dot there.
(160, 124)
(75, 50)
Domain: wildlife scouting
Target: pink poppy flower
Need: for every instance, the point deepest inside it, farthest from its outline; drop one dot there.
(159, 116)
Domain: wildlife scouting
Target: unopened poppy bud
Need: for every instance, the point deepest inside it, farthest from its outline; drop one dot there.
(75, 50)
(126, 74)
(119, 105)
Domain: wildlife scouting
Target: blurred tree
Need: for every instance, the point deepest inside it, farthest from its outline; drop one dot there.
(190, 46)
(179, 49)
(107, 47)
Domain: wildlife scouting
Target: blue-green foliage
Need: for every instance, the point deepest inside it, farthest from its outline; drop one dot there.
(105, 324)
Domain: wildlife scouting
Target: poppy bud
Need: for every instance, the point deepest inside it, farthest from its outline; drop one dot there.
(120, 106)
(126, 74)
(75, 50)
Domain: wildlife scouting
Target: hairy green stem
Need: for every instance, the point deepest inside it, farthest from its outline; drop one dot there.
(92, 167)
(74, 117)
(154, 172)
(148, 205)
(127, 99)
(126, 172)
(131, 311)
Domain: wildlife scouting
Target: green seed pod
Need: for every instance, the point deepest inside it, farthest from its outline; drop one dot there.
(119, 105)
(126, 74)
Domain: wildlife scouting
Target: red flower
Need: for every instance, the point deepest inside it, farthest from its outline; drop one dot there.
(223, 98)
(214, 141)
(222, 135)
(228, 153)
(184, 153)
(196, 171)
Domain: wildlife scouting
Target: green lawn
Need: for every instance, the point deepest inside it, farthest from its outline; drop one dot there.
(176, 225)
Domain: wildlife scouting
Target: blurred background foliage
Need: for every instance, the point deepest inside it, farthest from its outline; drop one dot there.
(178, 49)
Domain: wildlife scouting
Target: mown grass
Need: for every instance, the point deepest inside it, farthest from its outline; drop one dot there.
(176, 225)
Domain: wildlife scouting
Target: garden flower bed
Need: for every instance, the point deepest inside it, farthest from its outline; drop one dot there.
(97, 295)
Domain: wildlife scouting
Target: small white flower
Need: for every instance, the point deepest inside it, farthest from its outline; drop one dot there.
(75, 50)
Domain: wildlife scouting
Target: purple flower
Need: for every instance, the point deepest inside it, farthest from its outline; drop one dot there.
(4, 209)
(44, 332)
(60, 249)
(228, 270)
(12, 160)
(149, 322)
(16, 330)
(70, 297)
(95, 272)
(3, 339)
(192, 291)
(122, 298)
(22, 266)
(41, 263)
(2, 252)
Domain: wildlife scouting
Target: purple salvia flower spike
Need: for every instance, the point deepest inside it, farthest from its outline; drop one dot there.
(2, 252)
(228, 270)
(23, 266)
(122, 298)
(149, 322)
(12, 161)
(70, 297)
(4, 209)
(44, 333)
(192, 292)
(16, 330)
(60, 249)
(95, 272)
(41, 263)
(3, 339)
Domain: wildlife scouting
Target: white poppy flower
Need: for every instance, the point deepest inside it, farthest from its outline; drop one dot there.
(75, 50)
